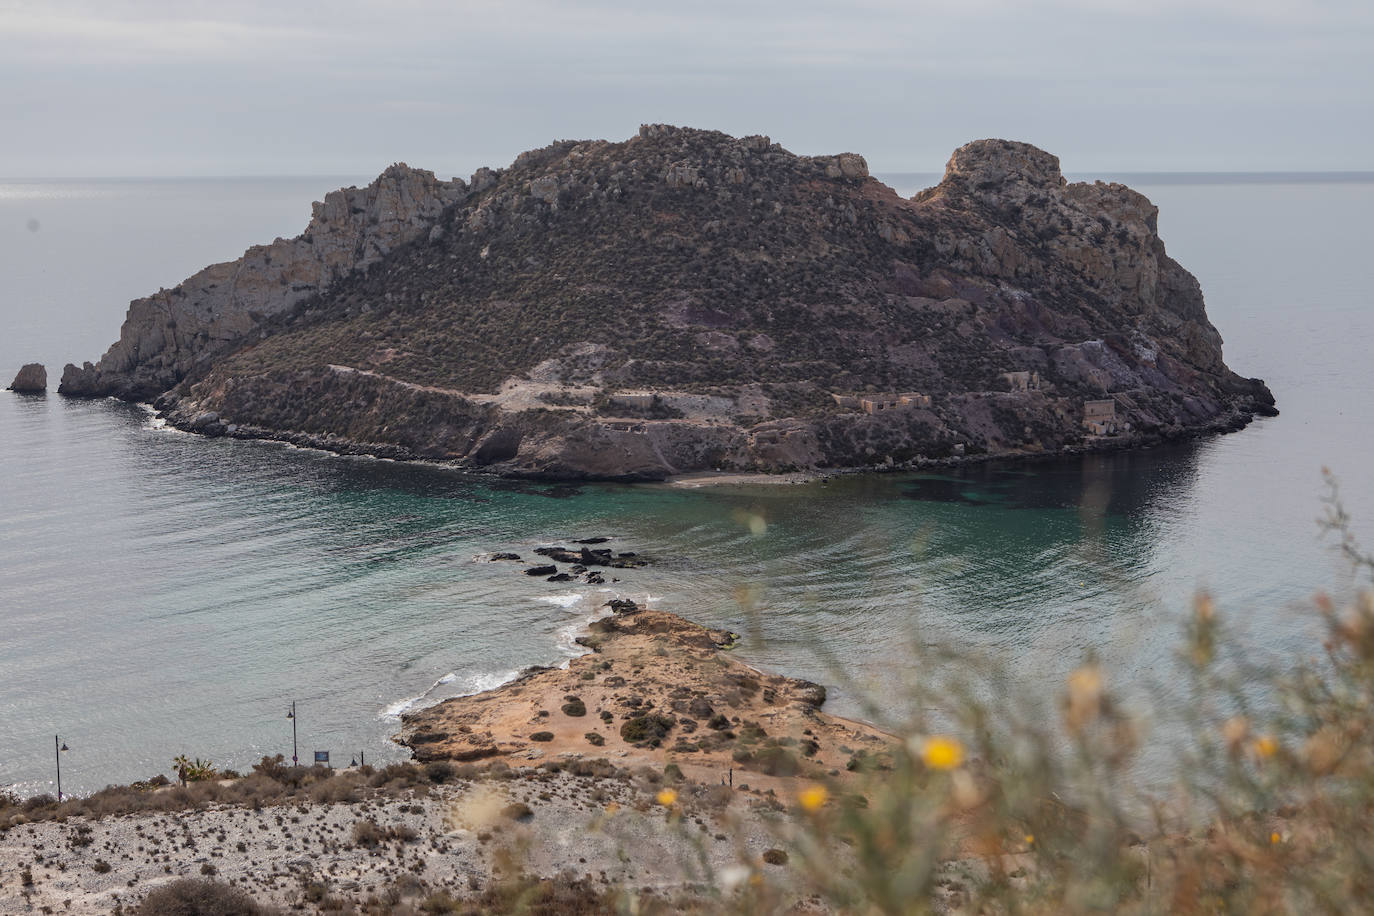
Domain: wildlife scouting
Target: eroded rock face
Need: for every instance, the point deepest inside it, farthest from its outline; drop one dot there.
(686, 301)
(31, 379)
(166, 334)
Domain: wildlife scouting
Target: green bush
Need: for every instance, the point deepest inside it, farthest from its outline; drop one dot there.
(199, 897)
(650, 729)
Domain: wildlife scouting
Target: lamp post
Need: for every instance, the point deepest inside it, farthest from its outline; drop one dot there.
(292, 716)
(57, 748)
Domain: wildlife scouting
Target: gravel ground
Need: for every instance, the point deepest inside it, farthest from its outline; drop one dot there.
(610, 829)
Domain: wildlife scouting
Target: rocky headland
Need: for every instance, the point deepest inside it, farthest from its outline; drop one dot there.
(655, 690)
(687, 301)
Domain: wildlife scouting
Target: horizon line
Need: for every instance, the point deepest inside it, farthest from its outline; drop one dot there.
(1077, 174)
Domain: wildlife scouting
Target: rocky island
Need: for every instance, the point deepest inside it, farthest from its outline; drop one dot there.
(31, 378)
(689, 301)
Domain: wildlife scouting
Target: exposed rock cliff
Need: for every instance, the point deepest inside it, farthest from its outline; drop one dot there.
(31, 378)
(687, 300)
(168, 333)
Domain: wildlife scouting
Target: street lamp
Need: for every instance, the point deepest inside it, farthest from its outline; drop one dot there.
(58, 748)
(292, 716)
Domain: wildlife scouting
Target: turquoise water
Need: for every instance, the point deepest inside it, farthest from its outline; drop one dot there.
(164, 594)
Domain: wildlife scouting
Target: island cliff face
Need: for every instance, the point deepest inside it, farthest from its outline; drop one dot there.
(166, 335)
(687, 301)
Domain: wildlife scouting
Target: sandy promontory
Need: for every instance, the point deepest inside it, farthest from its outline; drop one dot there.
(655, 689)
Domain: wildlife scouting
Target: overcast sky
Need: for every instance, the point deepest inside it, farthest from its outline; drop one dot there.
(346, 87)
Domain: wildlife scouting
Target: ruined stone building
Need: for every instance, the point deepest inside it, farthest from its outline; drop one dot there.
(880, 402)
(1023, 381)
(1099, 417)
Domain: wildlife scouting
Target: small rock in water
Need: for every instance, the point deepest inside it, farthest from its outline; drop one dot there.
(31, 379)
(541, 570)
(504, 556)
(591, 541)
(208, 424)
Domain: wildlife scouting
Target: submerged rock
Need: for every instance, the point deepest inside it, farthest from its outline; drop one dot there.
(30, 379)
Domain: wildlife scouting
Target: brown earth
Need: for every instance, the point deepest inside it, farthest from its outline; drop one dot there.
(656, 689)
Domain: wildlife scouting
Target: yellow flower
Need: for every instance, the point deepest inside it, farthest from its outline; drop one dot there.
(1030, 839)
(813, 797)
(942, 752)
(667, 798)
(1266, 746)
(1275, 838)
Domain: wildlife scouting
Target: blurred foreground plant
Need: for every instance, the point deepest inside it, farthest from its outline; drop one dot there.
(1020, 807)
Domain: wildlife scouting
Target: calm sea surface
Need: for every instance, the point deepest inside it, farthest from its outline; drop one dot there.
(163, 594)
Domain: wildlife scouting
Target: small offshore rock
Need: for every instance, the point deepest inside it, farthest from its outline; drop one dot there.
(31, 379)
(79, 381)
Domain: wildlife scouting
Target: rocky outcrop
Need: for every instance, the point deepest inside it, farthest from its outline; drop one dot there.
(166, 335)
(1105, 233)
(689, 301)
(32, 378)
(695, 705)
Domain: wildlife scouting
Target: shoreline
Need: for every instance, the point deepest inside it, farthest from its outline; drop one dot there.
(592, 817)
(1234, 420)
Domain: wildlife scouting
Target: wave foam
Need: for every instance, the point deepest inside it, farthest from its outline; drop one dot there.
(467, 686)
(563, 601)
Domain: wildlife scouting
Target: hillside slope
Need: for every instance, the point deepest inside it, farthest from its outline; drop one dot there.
(686, 300)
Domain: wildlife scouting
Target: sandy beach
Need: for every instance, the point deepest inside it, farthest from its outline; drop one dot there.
(737, 478)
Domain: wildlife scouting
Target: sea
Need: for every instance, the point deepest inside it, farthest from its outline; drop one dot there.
(163, 594)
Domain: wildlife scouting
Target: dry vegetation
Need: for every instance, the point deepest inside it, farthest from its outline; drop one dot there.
(272, 782)
(1017, 809)
(1014, 807)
